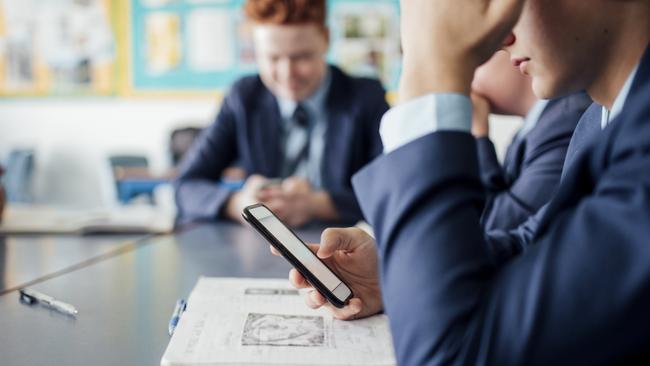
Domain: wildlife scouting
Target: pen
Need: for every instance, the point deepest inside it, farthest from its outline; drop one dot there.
(30, 296)
(176, 316)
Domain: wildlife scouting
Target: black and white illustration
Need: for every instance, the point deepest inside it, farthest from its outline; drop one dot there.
(283, 330)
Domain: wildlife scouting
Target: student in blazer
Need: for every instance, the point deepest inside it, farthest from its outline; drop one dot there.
(300, 120)
(579, 293)
(532, 167)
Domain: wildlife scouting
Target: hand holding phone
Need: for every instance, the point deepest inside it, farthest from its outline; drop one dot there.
(312, 268)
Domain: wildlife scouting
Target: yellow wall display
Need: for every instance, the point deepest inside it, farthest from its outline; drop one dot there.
(57, 47)
(167, 47)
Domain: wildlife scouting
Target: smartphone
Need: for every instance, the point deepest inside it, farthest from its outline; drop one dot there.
(298, 254)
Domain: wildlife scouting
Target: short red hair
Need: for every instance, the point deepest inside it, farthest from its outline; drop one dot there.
(286, 12)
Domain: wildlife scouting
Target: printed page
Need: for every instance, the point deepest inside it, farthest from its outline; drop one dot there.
(259, 321)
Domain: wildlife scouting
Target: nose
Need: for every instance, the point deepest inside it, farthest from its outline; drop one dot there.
(287, 69)
(508, 41)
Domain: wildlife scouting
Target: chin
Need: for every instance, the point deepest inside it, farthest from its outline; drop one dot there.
(550, 88)
(544, 89)
(291, 94)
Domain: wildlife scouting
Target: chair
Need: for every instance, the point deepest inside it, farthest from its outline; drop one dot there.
(19, 175)
(129, 171)
(180, 141)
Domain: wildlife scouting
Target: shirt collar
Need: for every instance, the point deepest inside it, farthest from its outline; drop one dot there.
(533, 116)
(607, 115)
(313, 104)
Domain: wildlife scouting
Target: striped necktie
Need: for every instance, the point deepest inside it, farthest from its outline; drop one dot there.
(297, 144)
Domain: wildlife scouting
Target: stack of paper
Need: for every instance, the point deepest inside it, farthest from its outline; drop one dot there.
(265, 322)
(53, 220)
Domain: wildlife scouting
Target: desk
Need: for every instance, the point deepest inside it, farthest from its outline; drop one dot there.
(124, 302)
(25, 259)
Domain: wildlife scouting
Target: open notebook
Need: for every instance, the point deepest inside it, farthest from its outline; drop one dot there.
(232, 321)
(51, 220)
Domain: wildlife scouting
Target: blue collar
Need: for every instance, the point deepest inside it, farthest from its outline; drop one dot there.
(315, 103)
(607, 115)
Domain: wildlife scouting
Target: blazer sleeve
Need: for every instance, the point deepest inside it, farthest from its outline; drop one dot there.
(508, 205)
(491, 172)
(198, 193)
(578, 296)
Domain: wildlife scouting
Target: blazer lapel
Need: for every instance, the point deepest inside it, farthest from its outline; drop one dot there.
(266, 133)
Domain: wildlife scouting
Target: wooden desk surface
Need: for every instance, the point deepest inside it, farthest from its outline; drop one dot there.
(125, 301)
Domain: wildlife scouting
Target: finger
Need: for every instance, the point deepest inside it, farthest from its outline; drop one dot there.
(295, 185)
(268, 193)
(334, 239)
(505, 12)
(278, 207)
(275, 251)
(315, 300)
(313, 247)
(255, 180)
(349, 311)
(509, 40)
(297, 280)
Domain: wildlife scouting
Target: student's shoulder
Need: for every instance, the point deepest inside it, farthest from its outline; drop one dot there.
(362, 86)
(247, 87)
(245, 95)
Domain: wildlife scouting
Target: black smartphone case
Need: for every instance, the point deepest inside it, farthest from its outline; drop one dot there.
(313, 280)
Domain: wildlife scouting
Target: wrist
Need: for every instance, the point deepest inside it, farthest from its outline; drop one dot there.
(421, 79)
(480, 130)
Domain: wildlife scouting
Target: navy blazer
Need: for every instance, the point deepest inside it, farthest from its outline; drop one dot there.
(532, 166)
(579, 295)
(248, 129)
(506, 243)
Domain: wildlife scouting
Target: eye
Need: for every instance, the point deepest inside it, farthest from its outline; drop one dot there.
(306, 56)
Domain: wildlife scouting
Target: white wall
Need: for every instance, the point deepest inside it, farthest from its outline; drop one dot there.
(502, 129)
(73, 137)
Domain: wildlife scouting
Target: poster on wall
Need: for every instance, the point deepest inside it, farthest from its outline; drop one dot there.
(365, 39)
(56, 47)
(185, 45)
(101, 47)
(205, 45)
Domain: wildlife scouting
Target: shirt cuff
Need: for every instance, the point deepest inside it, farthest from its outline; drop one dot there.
(421, 116)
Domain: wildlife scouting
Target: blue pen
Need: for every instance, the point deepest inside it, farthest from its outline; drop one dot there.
(176, 316)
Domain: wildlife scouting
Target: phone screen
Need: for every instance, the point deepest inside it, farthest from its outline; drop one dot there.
(300, 251)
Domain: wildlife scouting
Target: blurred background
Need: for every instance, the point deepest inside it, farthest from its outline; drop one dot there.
(101, 98)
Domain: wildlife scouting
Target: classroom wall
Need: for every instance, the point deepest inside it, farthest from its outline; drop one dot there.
(72, 138)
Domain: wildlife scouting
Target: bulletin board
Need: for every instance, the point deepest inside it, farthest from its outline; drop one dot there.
(206, 44)
(169, 47)
(57, 47)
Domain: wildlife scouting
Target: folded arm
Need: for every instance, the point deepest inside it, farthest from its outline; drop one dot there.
(198, 193)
